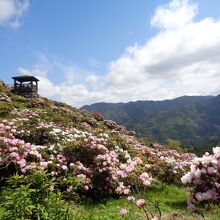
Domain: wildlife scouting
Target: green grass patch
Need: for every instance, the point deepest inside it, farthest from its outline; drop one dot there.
(172, 200)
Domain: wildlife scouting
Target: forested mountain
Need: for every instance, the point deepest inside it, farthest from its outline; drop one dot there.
(192, 120)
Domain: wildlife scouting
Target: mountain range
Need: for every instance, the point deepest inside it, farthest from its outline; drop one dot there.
(191, 121)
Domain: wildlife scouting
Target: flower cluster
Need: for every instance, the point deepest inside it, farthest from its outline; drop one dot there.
(92, 158)
(144, 205)
(204, 179)
(105, 161)
(12, 150)
(145, 178)
(172, 162)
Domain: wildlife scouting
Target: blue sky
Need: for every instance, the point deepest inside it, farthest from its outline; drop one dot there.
(77, 31)
(87, 45)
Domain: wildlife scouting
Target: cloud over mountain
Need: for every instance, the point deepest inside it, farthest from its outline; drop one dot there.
(182, 58)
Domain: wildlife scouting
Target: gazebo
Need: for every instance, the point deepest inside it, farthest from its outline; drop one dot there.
(25, 84)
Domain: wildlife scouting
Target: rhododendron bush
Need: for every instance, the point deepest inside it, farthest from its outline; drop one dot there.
(167, 165)
(104, 161)
(204, 180)
(67, 152)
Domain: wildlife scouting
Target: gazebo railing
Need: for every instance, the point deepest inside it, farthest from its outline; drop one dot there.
(24, 87)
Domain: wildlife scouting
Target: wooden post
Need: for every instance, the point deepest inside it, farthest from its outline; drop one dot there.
(36, 86)
(20, 86)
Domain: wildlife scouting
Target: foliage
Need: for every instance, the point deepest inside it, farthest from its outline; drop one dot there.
(204, 180)
(93, 162)
(25, 199)
(5, 108)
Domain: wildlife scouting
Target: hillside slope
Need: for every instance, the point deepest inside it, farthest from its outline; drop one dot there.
(193, 120)
(63, 137)
(53, 156)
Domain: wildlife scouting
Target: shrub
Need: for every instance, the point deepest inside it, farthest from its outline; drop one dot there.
(204, 180)
(33, 200)
(98, 116)
(5, 108)
(99, 162)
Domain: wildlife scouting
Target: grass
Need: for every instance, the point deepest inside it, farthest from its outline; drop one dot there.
(172, 200)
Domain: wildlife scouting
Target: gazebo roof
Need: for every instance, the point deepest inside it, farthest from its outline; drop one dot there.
(25, 78)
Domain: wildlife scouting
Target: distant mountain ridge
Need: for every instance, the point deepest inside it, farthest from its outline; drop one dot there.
(193, 120)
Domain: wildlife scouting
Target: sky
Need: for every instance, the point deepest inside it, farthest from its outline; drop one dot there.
(87, 51)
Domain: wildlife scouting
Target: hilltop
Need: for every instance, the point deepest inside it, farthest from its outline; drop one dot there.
(58, 113)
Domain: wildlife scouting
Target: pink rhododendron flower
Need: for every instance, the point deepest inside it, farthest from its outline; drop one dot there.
(131, 199)
(140, 202)
(123, 212)
(156, 145)
(146, 180)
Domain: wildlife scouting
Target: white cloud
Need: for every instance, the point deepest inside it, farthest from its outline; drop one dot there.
(92, 79)
(74, 89)
(183, 58)
(174, 15)
(23, 71)
(37, 70)
(74, 94)
(11, 12)
(179, 60)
